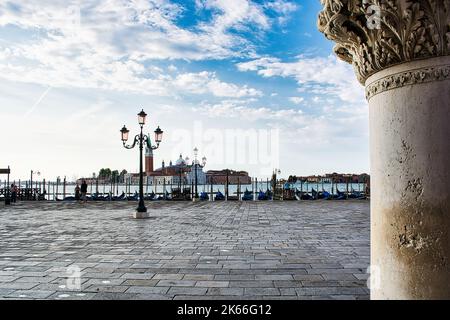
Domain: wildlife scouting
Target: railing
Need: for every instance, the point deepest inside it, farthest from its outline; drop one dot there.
(48, 190)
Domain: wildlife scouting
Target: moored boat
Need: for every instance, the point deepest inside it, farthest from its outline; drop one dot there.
(219, 196)
(247, 196)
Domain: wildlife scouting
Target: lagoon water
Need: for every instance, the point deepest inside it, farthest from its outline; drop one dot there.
(160, 189)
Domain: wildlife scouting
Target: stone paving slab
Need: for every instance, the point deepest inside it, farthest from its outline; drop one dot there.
(305, 250)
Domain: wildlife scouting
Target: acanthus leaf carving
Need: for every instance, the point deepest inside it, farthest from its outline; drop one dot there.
(407, 30)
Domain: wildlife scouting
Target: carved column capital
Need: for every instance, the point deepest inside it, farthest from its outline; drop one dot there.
(376, 34)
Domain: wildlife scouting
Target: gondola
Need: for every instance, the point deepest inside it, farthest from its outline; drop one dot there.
(356, 195)
(298, 194)
(340, 195)
(66, 199)
(324, 195)
(119, 198)
(306, 196)
(219, 196)
(302, 195)
(97, 197)
(204, 196)
(134, 197)
(263, 196)
(247, 196)
(150, 197)
(167, 196)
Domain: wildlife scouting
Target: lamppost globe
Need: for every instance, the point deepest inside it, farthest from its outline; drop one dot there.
(195, 152)
(124, 134)
(141, 117)
(158, 135)
(204, 161)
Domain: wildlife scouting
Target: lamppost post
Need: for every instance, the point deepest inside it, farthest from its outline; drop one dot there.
(141, 139)
(226, 191)
(195, 166)
(141, 206)
(196, 180)
(195, 169)
(274, 182)
(31, 182)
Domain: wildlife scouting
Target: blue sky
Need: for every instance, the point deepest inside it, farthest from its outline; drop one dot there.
(231, 77)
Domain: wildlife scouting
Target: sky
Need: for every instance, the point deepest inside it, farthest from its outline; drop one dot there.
(252, 84)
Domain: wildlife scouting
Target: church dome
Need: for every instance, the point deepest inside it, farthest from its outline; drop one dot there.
(180, 161)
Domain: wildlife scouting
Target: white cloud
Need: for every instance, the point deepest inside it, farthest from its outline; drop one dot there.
(283, 8)
(296, 100)
(240, 109)
(328, 76)
(140, 29)
(112, 44)
(317, 131)
(127, 76)
(236, 14)
(207, 82)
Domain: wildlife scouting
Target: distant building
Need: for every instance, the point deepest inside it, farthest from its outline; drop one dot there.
(93, 181)
(178, 173)
(131, 178)
(335, 178)
(148, 161)
(234, 177)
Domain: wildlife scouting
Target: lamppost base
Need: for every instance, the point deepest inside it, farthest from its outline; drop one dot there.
(141, 215)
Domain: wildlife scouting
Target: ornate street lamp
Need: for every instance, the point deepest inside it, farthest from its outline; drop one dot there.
(274, 179)
(196, 164)
(31, 180)
(141, 138)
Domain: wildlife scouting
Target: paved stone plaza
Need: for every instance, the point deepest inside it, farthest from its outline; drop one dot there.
(206, 250)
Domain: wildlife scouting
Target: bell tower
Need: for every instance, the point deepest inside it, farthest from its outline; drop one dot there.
(148, 160)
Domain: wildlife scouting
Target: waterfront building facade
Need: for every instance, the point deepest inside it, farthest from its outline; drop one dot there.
(233, 177)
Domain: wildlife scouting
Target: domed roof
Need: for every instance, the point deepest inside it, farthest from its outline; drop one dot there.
(180, 161)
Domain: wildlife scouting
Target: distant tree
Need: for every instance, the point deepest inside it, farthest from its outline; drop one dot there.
(115, 175)
(104, 173)
(122, 175)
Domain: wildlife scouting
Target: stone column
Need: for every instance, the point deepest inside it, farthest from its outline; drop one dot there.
(400, 50)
